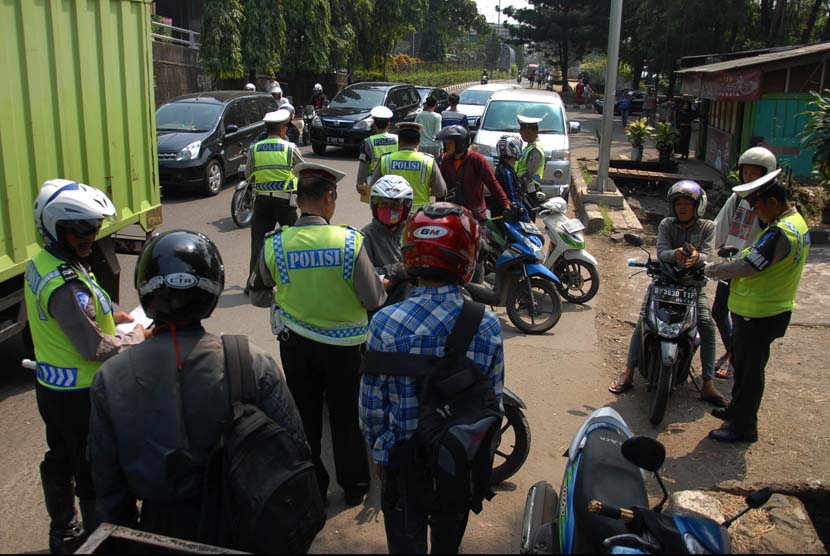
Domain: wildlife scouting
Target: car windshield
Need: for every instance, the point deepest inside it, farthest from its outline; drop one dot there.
(424, 93)
(477, 98)
(187, 116)
(361, 99)
(501, 116)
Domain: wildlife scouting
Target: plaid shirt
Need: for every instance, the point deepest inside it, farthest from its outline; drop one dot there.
(419, 325)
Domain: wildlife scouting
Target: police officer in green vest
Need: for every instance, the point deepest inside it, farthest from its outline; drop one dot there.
(269, 166)
(380, 143)
(325, 283)
(531, 164)
(418, 168)
(761, 299)
(73, 328)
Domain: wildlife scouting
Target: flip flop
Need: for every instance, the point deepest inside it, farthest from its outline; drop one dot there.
(723, 374)
(716, 400)
(619, 388)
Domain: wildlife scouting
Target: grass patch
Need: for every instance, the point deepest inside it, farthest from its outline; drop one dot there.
(427, 78)
(607, 223)
(586, 175)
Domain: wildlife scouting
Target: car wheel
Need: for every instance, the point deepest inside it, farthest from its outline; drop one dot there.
(214, 178)
(318, 148)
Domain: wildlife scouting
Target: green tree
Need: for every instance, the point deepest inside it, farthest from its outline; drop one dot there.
(262, 35)
(220, 49)
(443, 20)
(391, 20)
(308, 27)
(349, 29)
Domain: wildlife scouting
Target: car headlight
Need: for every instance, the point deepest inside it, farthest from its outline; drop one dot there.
(364, 125)
(190, 152)
(560, 155)
(669, 330)
(483, 150)
(316, 122)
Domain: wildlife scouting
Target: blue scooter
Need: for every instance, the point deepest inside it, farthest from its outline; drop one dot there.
(603, 506)
(522, 284)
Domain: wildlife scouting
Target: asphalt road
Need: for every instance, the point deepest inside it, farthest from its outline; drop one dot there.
(557, 374)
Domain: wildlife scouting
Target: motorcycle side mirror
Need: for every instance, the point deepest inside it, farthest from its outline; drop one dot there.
(633, 239)
(644, 452)
(727, 252)
(753, 502)
(309, 109)
(242, 168)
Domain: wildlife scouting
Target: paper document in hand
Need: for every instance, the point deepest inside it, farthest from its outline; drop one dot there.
(138, 318)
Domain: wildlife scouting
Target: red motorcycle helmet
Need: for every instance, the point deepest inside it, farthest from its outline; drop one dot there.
(441, 242)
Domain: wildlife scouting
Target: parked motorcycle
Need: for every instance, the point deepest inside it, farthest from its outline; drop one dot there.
(567, 256)
(309, 113)
(515, 439)
(603, 505)
(670, 337)
(524, 286)
(242, 202)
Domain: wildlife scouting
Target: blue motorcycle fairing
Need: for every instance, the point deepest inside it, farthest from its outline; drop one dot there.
(625, 550)
(537, 269)
(710, 534)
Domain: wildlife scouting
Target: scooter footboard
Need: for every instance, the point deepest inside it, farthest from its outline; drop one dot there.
(540, 527)
(537, 269)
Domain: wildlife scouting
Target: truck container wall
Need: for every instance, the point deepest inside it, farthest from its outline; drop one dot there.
(76, 100)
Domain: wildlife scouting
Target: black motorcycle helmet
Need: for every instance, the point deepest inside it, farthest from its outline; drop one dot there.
(457, 133)
(179, 277)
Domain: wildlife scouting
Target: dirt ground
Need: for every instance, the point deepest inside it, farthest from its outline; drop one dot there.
(794, 442)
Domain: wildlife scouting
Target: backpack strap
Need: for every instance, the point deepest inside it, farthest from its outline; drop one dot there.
(239, 370)
(458, 342)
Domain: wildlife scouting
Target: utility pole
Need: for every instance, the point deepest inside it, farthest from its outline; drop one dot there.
(601, 184)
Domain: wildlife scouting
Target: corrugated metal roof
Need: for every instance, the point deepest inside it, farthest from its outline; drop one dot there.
(760, 59)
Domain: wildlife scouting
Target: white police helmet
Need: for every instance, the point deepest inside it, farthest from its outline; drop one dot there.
(65, 202)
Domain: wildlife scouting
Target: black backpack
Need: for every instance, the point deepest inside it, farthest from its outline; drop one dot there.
(261, 492)
(459, 417)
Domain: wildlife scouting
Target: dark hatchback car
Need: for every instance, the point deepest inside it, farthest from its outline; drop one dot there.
(442, 96)
(204, 137)
(636, 103)
(346, 121)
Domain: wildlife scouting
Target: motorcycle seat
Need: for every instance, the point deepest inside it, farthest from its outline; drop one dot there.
(604, 475)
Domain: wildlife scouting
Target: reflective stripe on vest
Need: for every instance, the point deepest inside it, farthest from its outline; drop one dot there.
(521, 164)
(415, 167)
(313, 267)
(273, 159)
(772, 291)
(59, 365)
(379, 145)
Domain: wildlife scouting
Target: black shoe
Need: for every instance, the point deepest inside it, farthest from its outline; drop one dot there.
(355, 495)
(721, 413)
(728, 434)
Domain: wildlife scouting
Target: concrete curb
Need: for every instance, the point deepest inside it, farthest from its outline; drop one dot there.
(588, 209)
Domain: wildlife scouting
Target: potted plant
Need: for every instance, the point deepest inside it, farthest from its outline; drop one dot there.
(665, 139)
(816, 137)
(637, 132)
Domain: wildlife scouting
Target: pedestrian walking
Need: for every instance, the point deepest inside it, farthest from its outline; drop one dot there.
(72, 321)
(685, 117)
(376, 145)
(649, 106)
(452, 116)
(417, 168)
(432, 124)
(325, 283)
(440, 249)
(625, 107)
(761, 298)
(269, 167)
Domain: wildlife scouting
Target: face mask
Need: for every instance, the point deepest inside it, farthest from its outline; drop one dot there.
(389, 216)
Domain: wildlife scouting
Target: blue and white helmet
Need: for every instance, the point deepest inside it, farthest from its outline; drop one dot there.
(67, 201)
(509, 146)
(690, 189)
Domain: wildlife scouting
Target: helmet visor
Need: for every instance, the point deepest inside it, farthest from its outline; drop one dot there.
(82, 228)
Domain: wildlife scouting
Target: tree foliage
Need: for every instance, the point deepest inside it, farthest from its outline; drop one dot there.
(390, 21)
(220, 48)
(446, 20)
(349, 29)
(816, 134)
(262, 35)
(308, 27)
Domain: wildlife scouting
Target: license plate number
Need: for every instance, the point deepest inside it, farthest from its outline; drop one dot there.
(531, 228)
(573, 225)
(335, 140)
(674, 295)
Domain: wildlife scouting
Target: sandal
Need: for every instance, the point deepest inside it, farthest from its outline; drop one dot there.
(724, 373)
(715, 399)
(620, 387)
(723, 367)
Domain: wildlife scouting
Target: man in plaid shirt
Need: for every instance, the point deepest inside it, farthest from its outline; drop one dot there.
(440, 248)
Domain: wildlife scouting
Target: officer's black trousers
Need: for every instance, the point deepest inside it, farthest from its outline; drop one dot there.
(66, 415)
(267, 212)
(751, 341)
(314, 370)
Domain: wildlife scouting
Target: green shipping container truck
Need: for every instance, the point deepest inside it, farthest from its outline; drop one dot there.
(77, 103)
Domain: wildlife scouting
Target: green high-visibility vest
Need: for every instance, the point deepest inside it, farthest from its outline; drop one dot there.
(415, 167)
(59, 365)
(521, 164)
(379, 145)
(313, 267)
(772, 291)
(273, 160)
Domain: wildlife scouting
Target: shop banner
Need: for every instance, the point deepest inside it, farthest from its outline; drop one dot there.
(742, 85)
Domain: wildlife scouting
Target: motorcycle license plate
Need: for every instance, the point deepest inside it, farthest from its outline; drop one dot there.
(669, 294)
(335, 140)
(573, 225)
(531, 228)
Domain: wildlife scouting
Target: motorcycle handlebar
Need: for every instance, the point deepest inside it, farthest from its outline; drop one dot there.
(637, 264)
(613, 512)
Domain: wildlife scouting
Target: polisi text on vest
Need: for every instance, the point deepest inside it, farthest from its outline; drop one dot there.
(406, 165)
(314, 258)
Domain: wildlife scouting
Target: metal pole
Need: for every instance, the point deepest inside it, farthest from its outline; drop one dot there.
(601, 184)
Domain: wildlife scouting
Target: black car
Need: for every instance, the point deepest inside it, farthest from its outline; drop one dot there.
(442, 96)
(204, 137)
(346, 121)
(636, 103)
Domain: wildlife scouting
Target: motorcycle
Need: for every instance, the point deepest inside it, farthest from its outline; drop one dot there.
(567, 256)
(522, 284)
(309, 113)
(485, 79)
(603, 504)
(669, 328)
(514, 445)
(242, 202)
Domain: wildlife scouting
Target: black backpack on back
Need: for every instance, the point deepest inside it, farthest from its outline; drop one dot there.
(261, 492)
(459, 418)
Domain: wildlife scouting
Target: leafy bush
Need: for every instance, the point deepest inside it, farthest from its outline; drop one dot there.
(638, 131)
(816, 134)
(425, 77)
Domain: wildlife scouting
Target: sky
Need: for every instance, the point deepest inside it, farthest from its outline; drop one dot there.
(488, 7)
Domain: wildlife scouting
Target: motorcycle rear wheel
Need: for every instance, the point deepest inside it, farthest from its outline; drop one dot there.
(519, 303)
(242, 207)
(660, 394)
(519, 441)
(573, 282)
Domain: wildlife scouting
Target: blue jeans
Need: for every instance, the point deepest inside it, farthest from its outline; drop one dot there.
(624, 114)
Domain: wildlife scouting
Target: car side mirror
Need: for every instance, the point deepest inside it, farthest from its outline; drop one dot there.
(644, 452)
(325, 104)
(242, 168)
(574, 127)
(393, 107)
(231, 128)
